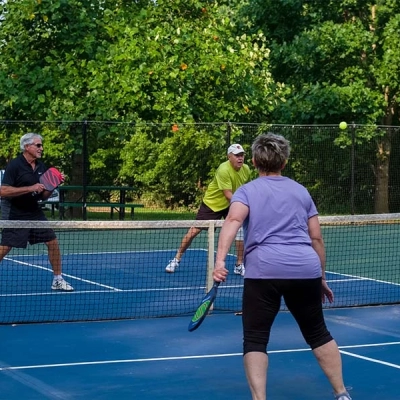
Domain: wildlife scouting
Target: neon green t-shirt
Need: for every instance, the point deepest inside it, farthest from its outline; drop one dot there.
(226, 178)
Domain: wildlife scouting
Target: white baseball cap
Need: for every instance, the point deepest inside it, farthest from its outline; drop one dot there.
(235, 149)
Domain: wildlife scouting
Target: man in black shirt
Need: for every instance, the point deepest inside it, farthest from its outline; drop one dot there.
(20, 192)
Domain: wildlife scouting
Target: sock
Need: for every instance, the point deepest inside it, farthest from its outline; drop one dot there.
(57, 277)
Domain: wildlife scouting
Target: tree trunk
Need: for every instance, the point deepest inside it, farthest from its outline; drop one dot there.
(383, 160)
(76, 179)
(382, 175)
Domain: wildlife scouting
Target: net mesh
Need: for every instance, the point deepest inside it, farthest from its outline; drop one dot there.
(117, 269)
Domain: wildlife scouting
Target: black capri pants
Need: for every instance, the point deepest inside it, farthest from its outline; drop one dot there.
(261, 303)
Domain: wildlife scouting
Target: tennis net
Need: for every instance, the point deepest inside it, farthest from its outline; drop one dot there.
(117, 269)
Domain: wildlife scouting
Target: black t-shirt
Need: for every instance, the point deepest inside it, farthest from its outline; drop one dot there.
(19, 173)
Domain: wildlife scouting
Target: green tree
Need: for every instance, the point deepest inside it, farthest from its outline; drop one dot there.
(143, 61)
(340, 60)
(161, 62)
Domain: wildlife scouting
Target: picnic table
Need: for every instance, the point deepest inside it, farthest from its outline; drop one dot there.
(80, 199)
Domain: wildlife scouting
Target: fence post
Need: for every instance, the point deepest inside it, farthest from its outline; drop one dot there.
(228, 134)
(352, 176)
(84, 168)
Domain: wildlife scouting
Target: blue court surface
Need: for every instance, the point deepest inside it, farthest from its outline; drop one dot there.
(158, 358)
(122, 334)
(133, 284)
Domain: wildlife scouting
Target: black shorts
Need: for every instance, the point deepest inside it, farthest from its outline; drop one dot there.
(205, 213)
(261, 303)
(22, 236)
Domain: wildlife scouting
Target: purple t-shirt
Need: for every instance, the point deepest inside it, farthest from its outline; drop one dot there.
(277, 243)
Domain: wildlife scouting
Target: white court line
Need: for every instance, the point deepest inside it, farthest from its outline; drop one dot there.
(349, 277)
(85, 280)
(114, 289)
(174, 289)
(355, 277)
(69, 276)
(374, 360)
(140, 360)
(91, 253)
(146, 290)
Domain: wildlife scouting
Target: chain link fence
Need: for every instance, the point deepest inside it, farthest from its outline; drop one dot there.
(351, 171)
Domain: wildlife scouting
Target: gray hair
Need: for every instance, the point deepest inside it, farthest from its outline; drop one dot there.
(28, 139)
(270, 152)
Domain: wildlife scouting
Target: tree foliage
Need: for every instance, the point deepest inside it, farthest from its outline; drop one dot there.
(339, 59)
(185, 62)
(143, 61)
(131, 61)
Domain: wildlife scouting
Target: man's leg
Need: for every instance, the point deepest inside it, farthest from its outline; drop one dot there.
(185, 243)
(239, 251)
(239, 244)
(54, 256)
(55, 260)
(204, 213)
(4, 250)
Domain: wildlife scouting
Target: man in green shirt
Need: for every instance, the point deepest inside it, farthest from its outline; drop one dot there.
(229, 176)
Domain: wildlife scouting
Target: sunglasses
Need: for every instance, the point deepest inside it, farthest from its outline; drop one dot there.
(38, 145)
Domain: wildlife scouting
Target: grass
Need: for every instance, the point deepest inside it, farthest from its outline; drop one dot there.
(147, 214)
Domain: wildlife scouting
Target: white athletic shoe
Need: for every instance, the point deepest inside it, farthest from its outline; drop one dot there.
(62, 285)
(239, 269)
(173, 264)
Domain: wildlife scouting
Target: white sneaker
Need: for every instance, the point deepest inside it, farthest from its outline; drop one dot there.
(239, 269)
(343, 396)
(173, 264)
(61, 284)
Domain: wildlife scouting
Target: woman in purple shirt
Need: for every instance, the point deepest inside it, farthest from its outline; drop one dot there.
(284, 257)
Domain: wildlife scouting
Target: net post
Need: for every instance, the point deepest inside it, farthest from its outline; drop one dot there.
(210, 253)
